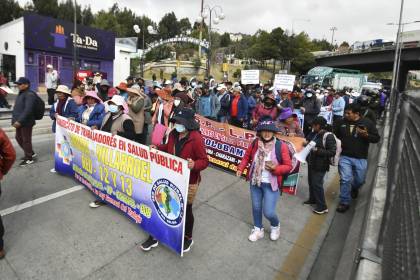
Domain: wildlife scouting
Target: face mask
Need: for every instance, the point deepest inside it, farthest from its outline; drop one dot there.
(179, 127)
(309, 95)
(177, 102)
(113, 108)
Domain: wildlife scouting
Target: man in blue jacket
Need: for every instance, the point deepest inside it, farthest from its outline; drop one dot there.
(23, 119)
(238, 108)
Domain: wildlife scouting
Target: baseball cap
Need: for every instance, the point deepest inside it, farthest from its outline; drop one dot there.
(23, 80)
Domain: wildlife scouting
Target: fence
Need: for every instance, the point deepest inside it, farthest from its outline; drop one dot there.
(390, 246)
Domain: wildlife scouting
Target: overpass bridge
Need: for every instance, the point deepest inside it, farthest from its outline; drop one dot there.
(375, 60)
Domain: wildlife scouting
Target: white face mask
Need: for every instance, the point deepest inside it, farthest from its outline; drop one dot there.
(179, 127)
(113, 108)
(177, 102)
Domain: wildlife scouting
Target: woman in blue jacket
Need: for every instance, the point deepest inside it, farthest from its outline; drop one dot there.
(65, 106)
(92, 112)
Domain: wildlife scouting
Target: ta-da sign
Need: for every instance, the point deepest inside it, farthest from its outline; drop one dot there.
(282, 81)
(250, 77)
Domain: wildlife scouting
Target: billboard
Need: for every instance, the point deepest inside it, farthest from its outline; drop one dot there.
(55, 35)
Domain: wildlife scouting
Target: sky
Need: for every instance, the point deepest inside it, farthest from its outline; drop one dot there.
(355, 20)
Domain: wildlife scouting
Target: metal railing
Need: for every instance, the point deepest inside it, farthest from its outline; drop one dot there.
(391, 237)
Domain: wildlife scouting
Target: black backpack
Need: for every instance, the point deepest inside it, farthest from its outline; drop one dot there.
(39, 107)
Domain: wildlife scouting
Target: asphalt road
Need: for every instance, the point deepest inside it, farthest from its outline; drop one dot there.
(62, 238)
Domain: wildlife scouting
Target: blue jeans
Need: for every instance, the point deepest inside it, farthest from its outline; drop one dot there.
(352, 176)
(264, 200)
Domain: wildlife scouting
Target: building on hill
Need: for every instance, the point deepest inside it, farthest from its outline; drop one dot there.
(235, 37)
(30, 43)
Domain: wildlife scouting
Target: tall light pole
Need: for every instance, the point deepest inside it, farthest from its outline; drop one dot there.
(75, 62)
(333, 29)
(137, 29)
(218, 11)
(398, 48)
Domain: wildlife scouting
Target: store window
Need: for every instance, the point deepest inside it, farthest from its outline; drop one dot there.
(43, 61)
(8, 66)
(91, 65)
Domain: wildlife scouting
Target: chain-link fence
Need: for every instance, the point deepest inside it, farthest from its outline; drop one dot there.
(399, 244)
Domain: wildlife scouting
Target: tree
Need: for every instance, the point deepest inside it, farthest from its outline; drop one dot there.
(46, 7)
(225, 40)
(169, 26)
(87, 16)
(184, 25)
(9, 11)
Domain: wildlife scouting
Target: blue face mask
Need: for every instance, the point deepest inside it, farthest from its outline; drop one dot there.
(113, 108)
(180, 127)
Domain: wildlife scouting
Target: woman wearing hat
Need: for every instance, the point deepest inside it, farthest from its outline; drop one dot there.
(122, 88)
(135, 102)
(103, 88)
(185, 141)
(266, 108)
(269, 161)
(64, 106)
(163, 107)
(116, 122)
(92, 111)
(288, 124)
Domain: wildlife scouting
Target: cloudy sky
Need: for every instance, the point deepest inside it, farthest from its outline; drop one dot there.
(356, 20)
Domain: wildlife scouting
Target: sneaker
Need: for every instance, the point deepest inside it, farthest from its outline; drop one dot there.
(149, 244)
(2, 254)
(52, 170)
(97, 203)
(34, 156)
(309, 202)
(275, 233)
(342, 208)
(256, 233)
(354, 193)
(320, 211)
(188, 244)
(26, 162)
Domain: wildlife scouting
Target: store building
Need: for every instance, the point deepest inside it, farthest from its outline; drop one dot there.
(30, 43)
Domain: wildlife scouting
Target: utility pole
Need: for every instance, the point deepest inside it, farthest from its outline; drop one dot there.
(333, 29)
(201, 28)
(75, 63)
(396, 69)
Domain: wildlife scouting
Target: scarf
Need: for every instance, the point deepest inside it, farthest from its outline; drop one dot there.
(259, 162)
(60, 106)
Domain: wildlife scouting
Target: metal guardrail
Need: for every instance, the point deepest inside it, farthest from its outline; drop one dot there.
(391, 238)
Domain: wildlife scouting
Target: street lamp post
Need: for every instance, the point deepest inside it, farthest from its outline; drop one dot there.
(75, 63)
(333, 29)
(152, 31)
(398, 48)
(218, 11)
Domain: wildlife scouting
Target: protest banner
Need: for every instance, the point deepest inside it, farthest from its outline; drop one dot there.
(226, 146)
(327, 114)
(282, 81)
(148, 186)
(300, 116)
(250, 77)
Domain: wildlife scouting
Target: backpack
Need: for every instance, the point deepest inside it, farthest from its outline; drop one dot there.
(39, 107)
(333, 160)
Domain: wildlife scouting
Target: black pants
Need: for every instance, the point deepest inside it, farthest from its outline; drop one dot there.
(51, 93)
(236, 122)
(189, 222)
(24, 138)
(142, 137)
(1, 229)
(316, 187)
(336, 118)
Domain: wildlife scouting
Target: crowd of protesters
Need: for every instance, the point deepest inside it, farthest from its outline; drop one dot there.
(161, 115)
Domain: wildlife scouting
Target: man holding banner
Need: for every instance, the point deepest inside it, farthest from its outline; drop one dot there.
(186, 142)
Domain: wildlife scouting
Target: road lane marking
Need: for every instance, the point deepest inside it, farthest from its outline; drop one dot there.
(295, 260)
(40, 200)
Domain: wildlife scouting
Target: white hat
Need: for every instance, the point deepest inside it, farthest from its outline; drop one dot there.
(167, 82)
(237, 88)
(221, 86)
(63, 89)
(50, 66)
(117, 100)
